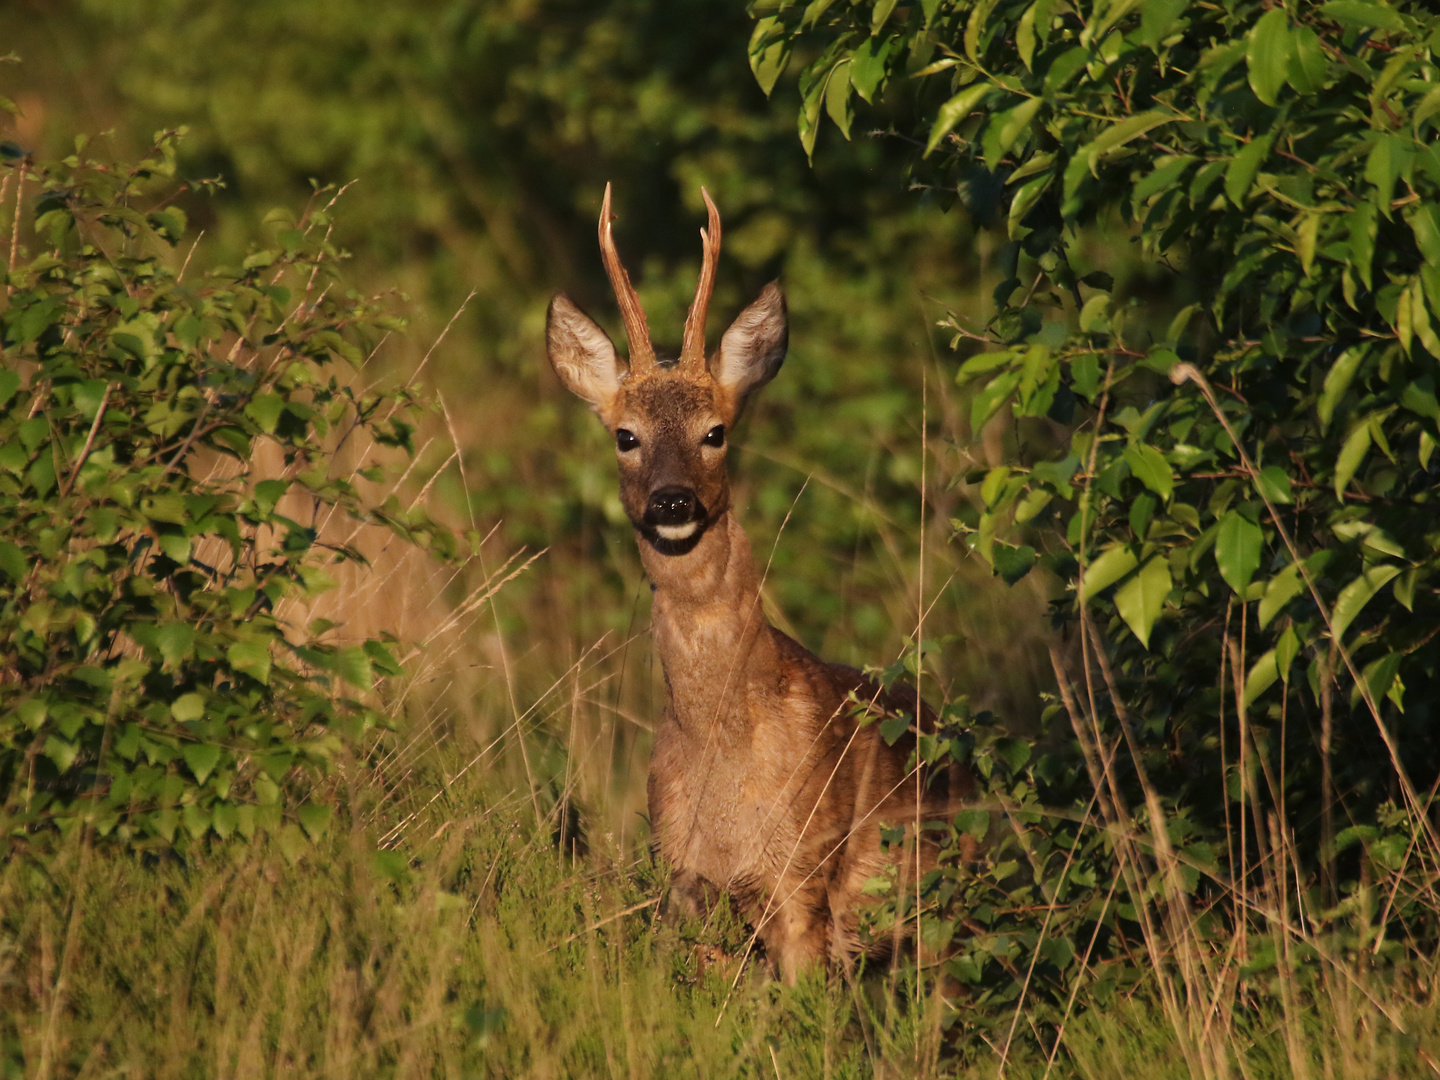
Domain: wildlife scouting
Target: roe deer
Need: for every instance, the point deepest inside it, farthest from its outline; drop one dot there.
(763, 784)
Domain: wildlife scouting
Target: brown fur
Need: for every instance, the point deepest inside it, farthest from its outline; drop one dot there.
(763, 784)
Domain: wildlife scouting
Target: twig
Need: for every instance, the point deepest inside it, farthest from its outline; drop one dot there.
(89, 443)
(15, 223)
(631, 910)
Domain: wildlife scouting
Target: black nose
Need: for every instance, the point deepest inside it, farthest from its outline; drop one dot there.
(671, 506)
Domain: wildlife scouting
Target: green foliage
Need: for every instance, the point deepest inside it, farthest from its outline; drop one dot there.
(1237, 492)
(481, 135)
(168, 438)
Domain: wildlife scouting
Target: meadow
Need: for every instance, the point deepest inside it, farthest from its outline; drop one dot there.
(442, 864)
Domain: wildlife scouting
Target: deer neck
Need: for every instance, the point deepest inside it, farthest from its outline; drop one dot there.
(710, 632)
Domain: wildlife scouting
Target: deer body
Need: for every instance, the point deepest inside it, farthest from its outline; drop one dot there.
(762, 784)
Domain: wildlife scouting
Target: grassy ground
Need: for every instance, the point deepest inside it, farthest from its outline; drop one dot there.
(475, 947)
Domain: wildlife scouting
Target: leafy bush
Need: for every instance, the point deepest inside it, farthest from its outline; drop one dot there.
(1237, 495)
(151, 685)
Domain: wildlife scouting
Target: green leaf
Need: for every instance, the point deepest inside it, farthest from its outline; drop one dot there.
(1362, 15)
(990, 397)
(174, 641)
(1166, 174)
(1380, 677)
(268, 493)
(1308, 65)
(1240, 173)
(1337, 382)
(315, 819)
(1279, 591)
(1117, 135)
(201, 759)
(88, 395)
(252, 657)
(1237, 550)
(837, 97)
(1269, 54)
(892, 727)
(265, 410)
(1108, 568)
(382, 660)
(225, 818)
(1015, 753)
(9, 385)
(1383, 167)
(975, 27)
(955, 110)
(1361, 225)
(391, 864)
(769, 54)
(1424, 221)
(1025, 34)
(1273, 484)
(1352, 453)
(353, 665)
(1141, 599)
(1357, 594)
(1262, 676)
(1024, 199)
(291, 842)
(867, 66)
(188, 707)
(1157, 18)
(1064, 68)
(61, 752)
(1149, 466)
(13, 562)
(1005, 128)
(1095, 315)
(1013, 563)
(176, 546)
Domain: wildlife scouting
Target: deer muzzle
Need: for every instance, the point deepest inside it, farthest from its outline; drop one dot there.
(674, 516)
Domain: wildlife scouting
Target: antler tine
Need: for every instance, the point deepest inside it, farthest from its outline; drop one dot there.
(692, 353)
(637, 330)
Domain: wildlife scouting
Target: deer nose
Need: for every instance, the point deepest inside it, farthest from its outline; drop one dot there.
(671, 506)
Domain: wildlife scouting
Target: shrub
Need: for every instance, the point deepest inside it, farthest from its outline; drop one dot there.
(1236, 492)
(152, 686)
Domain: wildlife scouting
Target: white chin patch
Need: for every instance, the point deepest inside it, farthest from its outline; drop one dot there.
(677, 532)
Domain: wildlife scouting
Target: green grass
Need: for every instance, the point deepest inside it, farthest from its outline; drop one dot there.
(481, 950)
(477, 948)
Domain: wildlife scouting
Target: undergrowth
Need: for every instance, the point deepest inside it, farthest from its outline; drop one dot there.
(475, 948)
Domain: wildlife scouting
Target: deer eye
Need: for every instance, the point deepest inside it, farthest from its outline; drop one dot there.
(715, 436)
(626, 440)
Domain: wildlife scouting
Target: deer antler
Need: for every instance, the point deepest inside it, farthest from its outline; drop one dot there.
(637, 330)
(692, 353)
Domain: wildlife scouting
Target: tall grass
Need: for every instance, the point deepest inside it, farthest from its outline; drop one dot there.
(477, 948)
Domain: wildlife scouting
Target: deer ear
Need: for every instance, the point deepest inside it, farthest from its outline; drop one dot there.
(582, 354)
(753, 348)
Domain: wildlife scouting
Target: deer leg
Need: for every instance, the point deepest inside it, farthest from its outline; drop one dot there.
(691, 895)
(797, 935)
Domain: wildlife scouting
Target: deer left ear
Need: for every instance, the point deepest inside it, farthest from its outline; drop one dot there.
(753, 348)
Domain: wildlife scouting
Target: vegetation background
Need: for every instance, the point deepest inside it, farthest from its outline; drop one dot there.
(479, 135)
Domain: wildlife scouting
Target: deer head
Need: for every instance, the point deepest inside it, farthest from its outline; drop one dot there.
(669, 417)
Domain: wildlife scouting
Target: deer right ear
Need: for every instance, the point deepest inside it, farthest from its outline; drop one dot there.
(582, 354)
